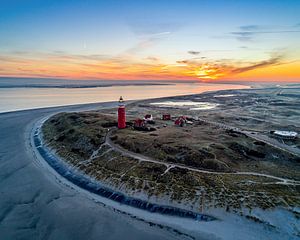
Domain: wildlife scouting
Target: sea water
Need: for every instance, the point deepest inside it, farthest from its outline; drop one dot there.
(21, 98)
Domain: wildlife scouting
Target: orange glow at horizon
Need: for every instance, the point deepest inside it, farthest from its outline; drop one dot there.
(289, 71)
(70, 67)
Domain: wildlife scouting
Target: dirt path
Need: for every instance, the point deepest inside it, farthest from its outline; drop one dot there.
(143, 158)
(258, 137)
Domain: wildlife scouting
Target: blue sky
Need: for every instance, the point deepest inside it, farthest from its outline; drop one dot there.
(170, 31)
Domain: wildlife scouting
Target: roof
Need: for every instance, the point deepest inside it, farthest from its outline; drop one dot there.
(285, 133)
(180, 119)
(138, 120)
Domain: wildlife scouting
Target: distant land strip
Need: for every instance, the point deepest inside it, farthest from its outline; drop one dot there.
(83, 86)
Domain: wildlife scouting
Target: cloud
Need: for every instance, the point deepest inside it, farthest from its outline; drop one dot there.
(67, 57)
(222, 68)
(150, 27)
(266, 63)
(146, 42)
(149, 32)
(249, 32)
(243, 36)
(183, 61)
(98, 66)
(250, 27)
(158, 35)
(154, 59)
(248, 36)
(194, 52)
(141, 46)
(57, 55)
(87, 67)
(20, 52)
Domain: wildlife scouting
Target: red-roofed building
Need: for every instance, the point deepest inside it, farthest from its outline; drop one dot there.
(139, 123)
(166, 117)
(180, 121)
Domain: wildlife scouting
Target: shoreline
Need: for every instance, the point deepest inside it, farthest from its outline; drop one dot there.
(227, 219)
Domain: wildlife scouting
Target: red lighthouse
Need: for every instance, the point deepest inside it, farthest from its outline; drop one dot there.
(121, 114)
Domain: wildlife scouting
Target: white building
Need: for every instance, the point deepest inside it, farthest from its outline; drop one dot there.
(285, 134)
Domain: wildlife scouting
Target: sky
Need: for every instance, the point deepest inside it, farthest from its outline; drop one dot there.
(201, 40)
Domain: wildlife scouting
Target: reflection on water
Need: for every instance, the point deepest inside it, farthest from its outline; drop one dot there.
(12, 99)
(225, 95)
(184, 104)
(205, 106)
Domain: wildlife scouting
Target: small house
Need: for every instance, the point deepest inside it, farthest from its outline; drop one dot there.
(180, 121)
(149, 119)
(285, 134)
(139, 123)
(166, 117)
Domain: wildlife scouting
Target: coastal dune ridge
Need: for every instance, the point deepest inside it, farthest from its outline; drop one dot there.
(89, 184)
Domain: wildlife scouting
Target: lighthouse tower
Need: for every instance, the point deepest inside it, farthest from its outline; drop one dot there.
(121, 114)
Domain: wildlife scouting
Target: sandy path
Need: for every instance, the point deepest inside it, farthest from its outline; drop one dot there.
(143, 158)
(259, 137)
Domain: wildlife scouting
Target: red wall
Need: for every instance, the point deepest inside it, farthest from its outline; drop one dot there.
(121, 117)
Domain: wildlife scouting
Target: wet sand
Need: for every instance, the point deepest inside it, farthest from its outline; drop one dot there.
(35, 206)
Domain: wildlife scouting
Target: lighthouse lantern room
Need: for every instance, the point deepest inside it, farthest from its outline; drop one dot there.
(121, 114)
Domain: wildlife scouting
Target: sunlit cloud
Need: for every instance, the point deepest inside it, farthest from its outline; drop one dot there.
(266, 63)
(85, 67)
(218, 69)
(122, 67)
(153, 59)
